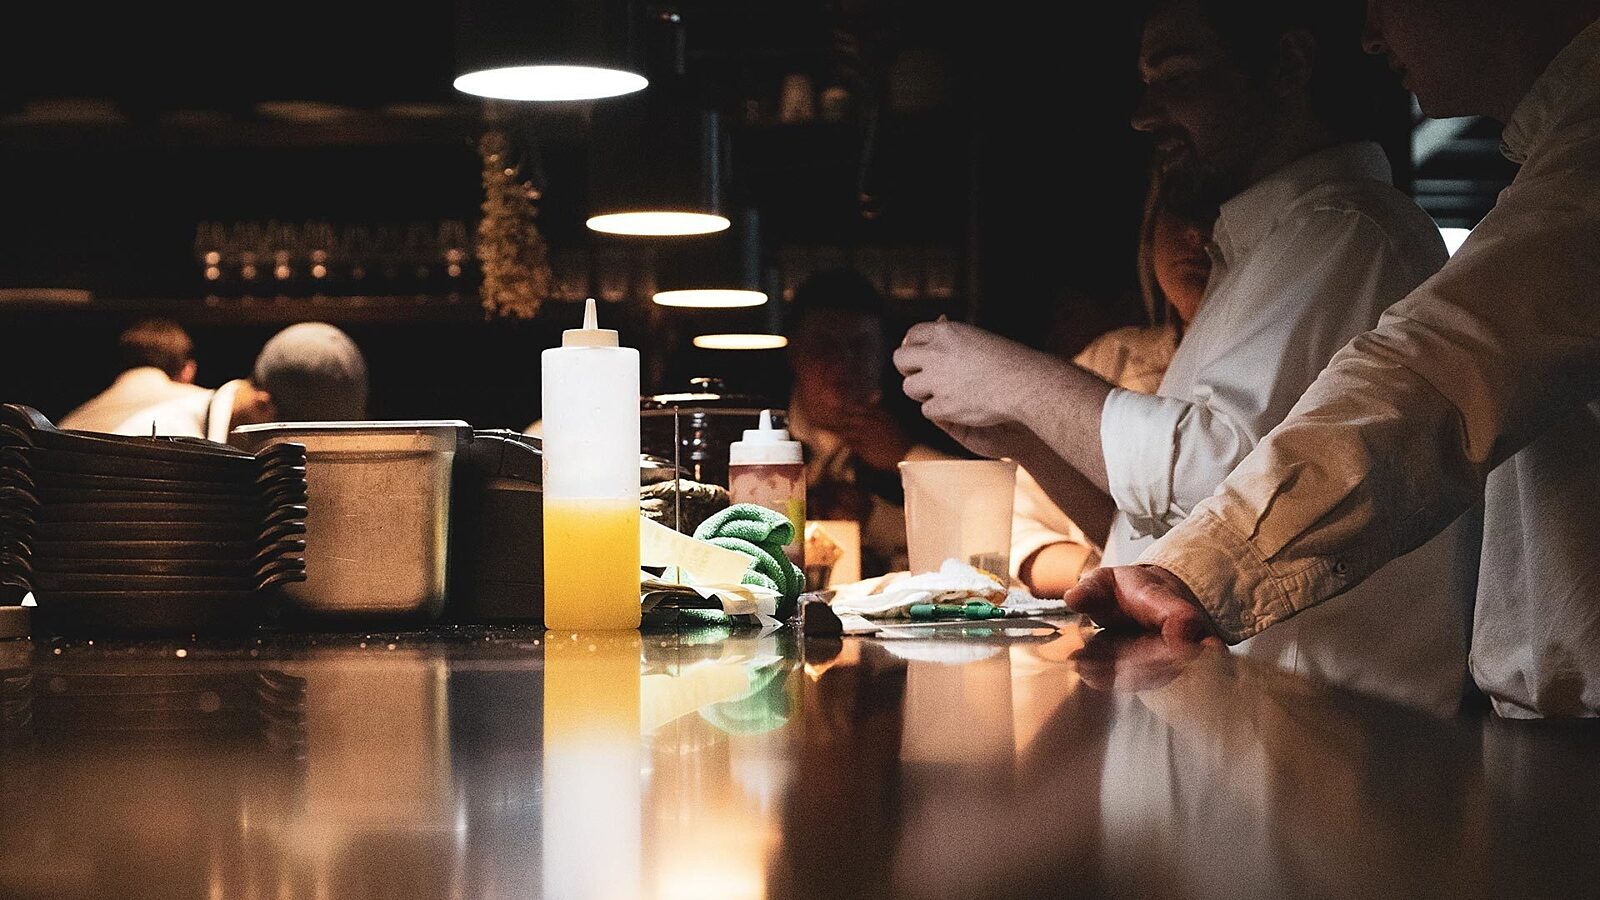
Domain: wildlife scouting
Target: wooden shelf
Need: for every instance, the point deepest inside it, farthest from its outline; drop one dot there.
(267, 311)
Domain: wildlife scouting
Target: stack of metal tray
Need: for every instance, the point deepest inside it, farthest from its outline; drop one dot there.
(145, 535)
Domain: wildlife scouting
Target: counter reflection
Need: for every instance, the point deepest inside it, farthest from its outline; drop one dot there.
(993, 761)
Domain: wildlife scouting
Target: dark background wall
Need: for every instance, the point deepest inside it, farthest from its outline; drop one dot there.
(1001, 147)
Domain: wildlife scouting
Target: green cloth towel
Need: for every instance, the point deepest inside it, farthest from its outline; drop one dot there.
(748, 522)
(767, 563)
(760, 534)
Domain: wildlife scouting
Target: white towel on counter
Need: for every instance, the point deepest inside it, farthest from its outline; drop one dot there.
(892, 596)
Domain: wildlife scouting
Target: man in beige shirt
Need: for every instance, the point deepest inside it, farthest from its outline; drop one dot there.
(160, 368)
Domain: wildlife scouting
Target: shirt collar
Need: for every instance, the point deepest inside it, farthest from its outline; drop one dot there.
(1249, 216)
(1568, 83)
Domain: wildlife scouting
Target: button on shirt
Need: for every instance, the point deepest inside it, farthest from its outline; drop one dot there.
(1304, 260)
(1483, 381)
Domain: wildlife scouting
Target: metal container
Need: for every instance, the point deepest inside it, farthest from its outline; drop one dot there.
(378, 517)
(497, 531)
(708, 421)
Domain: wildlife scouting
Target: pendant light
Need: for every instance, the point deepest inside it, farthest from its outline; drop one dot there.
(710, 298)
(741, 341)
(753, 324)
(548, 50)
(712, 273)
(657, 159)
(656, 167)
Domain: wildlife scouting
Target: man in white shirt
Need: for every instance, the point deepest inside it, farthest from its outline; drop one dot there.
(308, 372)
(160, 367)
(1482, 384)
(1311, 245)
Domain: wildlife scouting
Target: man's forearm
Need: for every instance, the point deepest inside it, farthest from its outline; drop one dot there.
(1064, 412)
(1088, 505)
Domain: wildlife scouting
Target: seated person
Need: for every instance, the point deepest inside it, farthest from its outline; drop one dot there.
(1049, 551)
(846, 407)
(160, 366)
(310, 372)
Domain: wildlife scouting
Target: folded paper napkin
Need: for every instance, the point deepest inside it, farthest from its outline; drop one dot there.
(891, 597)
(760, 534)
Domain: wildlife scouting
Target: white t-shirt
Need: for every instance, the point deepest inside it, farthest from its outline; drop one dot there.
(208, 415)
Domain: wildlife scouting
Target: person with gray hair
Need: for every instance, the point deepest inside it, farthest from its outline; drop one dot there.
(314, 373)
(310, 372)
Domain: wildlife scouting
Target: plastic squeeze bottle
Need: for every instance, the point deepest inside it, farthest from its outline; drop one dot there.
(591, 480)
(768, 469)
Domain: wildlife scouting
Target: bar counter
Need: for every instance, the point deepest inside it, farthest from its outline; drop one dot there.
(1035, 760)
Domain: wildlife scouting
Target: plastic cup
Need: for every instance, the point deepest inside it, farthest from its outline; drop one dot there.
(959, 509)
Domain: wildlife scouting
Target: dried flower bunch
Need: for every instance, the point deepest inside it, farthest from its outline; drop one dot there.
(514, 257)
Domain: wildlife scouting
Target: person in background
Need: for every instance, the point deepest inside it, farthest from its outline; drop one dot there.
(1479, 385)
(1259, 105)
(1049, 549)
(310, 372)
(855, 424)
(158, 360)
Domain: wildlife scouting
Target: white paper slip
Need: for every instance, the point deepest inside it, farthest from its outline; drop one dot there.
(705, 563)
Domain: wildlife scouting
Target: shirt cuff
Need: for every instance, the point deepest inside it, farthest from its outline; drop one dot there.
(1138, 440)
(1235, 586)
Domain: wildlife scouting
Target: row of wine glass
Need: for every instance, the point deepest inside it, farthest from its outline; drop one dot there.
(314, 257)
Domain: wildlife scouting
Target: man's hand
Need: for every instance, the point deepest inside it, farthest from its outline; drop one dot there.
(1144, 597)
(252, 406)
(963, 375)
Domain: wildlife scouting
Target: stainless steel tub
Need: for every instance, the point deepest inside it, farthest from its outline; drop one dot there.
(378, 517)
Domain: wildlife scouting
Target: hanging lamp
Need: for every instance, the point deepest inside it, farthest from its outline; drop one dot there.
(548, 50)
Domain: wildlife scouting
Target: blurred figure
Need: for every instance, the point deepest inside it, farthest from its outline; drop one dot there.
(158, 359)
(1050, 549)
(855, 425)
(310, 372)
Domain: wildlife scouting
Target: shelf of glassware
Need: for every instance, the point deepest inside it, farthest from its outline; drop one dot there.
(454, 307)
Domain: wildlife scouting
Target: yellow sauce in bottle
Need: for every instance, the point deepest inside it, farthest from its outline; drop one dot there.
(591, 563)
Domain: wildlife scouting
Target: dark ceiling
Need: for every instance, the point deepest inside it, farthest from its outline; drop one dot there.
(229, 55)
(121, 129)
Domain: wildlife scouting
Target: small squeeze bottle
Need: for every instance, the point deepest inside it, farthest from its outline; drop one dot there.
(768, 469)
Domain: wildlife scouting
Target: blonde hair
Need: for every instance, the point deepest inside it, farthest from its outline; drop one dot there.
(1158, 308)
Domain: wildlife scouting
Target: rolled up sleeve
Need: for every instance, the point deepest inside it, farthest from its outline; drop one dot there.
(1398, 435)
(1139, 437)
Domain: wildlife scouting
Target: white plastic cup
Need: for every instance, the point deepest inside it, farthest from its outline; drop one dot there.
(959, 509)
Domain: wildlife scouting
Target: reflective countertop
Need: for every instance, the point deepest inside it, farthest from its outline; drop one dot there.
(954, 762)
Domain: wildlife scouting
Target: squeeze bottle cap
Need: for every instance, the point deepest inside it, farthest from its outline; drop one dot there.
(765, 445)
(766, 434)
(591, 334)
